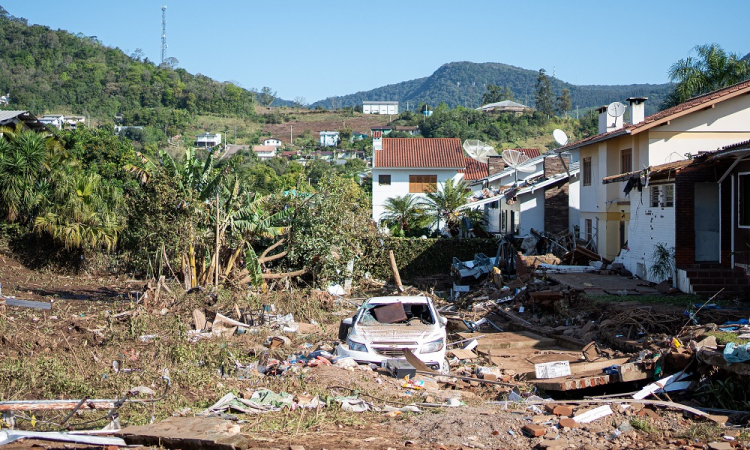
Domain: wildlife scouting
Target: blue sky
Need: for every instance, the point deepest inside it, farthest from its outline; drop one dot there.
(316, 49)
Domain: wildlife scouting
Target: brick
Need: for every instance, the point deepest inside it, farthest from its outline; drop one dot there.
(560, 410)
(568, 423)
(534, 430)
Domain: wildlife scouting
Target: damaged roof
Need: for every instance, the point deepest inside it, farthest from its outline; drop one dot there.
(692, 105)
(427, 152)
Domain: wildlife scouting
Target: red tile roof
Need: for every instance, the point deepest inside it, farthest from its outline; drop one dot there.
(691, 105)
(413, 152)
(530, 152)
(264, 148)
(475, 170)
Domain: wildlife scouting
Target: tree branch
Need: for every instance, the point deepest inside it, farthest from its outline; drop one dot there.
(261, 258)
(272, 257)
(276, 276)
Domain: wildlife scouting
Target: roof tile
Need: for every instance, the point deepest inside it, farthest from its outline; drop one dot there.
(415, 152)
(474, 170)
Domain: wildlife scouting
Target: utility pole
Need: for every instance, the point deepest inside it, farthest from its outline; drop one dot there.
(163, 33)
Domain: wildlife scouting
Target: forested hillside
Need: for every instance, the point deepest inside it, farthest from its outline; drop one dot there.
(463, 83)
(48, 70)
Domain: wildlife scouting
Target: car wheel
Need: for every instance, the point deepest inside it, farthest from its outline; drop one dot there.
(445, 369)
(343, 331)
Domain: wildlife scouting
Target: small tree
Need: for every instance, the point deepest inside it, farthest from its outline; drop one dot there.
(404, 211)
(563, 103)
(545, 99)
(444, 202)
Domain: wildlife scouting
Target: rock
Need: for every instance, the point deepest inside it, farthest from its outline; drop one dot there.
(625, 427)
(534, 430)
(720, 446)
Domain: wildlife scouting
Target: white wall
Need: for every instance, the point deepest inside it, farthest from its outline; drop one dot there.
(647, 227)
(368, 108)
(400, 184)
(532, 211)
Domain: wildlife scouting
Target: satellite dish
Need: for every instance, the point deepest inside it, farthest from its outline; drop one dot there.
(517, 161)
(616, 109)
(478, 150)
(560, 137)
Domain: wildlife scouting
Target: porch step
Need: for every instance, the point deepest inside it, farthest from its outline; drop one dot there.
(707, 281)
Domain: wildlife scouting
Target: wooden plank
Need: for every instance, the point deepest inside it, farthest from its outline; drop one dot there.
(187, 433)
(462, 354)
(46, 405)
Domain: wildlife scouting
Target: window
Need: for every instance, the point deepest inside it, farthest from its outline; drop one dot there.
(587, 171)
(589, 229)
(419, 184)
(743, 198)
(384, 180)
(494, 205)
(655, 196)
(669, 196)
(626, 161)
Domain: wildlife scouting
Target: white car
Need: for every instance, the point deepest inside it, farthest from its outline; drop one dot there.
(416, 325)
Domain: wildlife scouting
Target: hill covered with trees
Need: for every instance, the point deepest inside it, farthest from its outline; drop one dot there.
(54, 70)
(463, 83)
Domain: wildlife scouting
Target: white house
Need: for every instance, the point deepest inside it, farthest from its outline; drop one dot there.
(264, 151)
(208, 140)
(705, 122)
(329, 138)
(515, 202)
(273, 142)
(372, 107)
(412, 166)
(53, 120)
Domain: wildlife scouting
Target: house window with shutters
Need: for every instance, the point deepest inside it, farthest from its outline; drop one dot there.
(626, 161)
(589, 229)
(419, 184)
(655, 194)
(587, 171)
(669, 196)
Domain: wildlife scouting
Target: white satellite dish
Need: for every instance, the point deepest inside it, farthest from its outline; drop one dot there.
(560, 137)
(616, 109)
(478, 150)
(517, 161)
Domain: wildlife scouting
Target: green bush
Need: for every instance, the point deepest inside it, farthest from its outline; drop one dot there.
(418, 257)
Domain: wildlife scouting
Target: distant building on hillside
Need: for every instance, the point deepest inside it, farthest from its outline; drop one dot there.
(329, 138)
(369, 107)
(208, 140)
(264, 151)
(53, 120)
(504, 106)
(273, 142)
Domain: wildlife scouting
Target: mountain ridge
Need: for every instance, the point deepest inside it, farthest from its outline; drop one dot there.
(452, 83)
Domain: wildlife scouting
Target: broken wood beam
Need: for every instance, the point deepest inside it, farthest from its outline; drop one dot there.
(394, 267)
(48, 405)
(478, 380)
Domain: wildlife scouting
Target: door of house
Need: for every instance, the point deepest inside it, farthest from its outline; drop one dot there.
(706, 217)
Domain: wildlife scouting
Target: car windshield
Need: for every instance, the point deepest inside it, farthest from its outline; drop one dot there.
(397, 314)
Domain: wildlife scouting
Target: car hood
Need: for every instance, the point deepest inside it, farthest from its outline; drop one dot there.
(398, 333)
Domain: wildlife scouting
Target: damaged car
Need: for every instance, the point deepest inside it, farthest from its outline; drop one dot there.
(384, 327)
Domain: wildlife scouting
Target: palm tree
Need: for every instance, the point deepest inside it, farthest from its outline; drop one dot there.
(445, 203)
(711, 69)
(404, 211)
(84, 212)
(23, 158)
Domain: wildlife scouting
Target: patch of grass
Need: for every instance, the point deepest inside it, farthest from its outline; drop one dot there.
(705, 431)
(724, 337)
(642, 423)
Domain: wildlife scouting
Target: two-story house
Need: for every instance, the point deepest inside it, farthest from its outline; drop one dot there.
(329, 138)
(273, 142)
(629, 191)
(415, 166)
